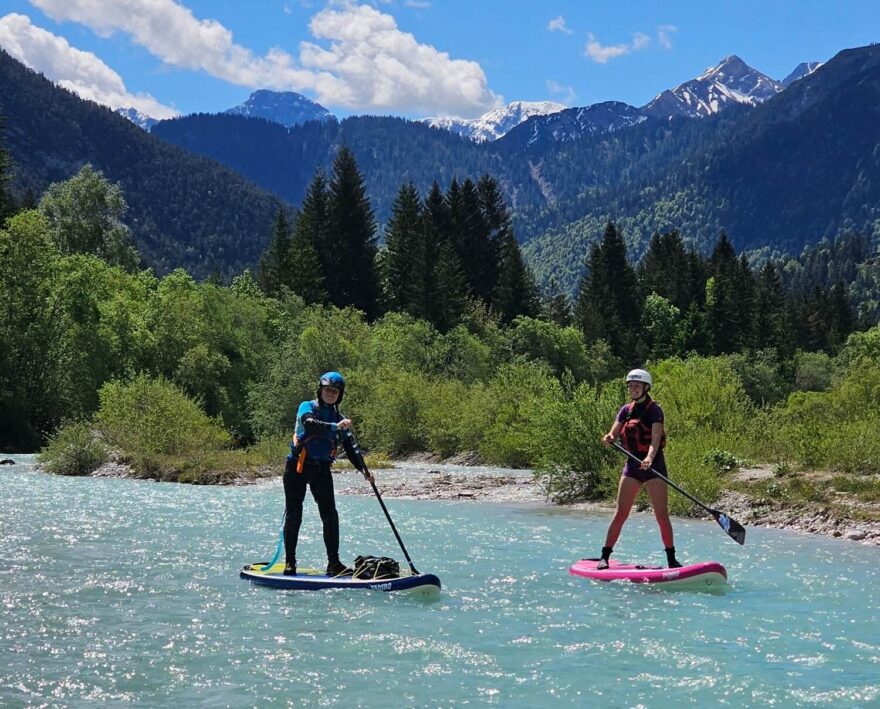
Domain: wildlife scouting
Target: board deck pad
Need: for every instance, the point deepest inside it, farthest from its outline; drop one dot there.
(307, 579)
(705, 573)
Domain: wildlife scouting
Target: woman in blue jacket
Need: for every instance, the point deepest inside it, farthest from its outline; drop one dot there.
(319, 427)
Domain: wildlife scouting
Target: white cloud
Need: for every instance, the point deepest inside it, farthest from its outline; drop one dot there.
(640, 41)
(75, 70)
(664, 35)
(418, 4)
(557, 24)
(601, 54)
(369, 63)
(567, 92)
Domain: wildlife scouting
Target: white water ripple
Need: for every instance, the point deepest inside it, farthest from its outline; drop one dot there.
(123, 592)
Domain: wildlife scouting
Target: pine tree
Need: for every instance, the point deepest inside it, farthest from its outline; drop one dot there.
(841, 318)
(274, 264)
(403, 262)
(608, 305)
(557, 308)
(669, 270)
(515, 292)
(722, 306)
(496, 219)
(770, 322)
(470, 236)
(352, 276)
(445, 285)
(311, 251)
(450, 295)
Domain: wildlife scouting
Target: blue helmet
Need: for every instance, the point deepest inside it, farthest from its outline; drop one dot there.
(332, 379)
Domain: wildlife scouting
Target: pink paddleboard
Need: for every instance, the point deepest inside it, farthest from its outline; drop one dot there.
(704, 574)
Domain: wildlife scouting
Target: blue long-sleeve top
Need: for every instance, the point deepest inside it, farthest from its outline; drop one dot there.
(317, 431)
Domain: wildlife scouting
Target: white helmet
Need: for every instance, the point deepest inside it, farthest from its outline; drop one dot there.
(640, 375)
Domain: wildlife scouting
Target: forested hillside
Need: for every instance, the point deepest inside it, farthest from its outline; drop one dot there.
(389, 151)
(179, 203)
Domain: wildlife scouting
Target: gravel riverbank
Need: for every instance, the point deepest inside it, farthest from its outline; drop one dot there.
(425, 478)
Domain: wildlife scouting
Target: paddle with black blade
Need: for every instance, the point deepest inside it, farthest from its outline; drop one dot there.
(361, 465)
(733, 528)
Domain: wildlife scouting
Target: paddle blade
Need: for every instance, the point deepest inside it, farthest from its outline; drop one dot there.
(733, 528)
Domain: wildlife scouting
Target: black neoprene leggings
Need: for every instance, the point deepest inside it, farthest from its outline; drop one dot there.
(316, 474)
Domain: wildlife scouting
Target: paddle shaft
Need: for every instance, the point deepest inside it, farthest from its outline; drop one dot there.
(731, 527)
(388, 517)
(367, 474)
(664, 478)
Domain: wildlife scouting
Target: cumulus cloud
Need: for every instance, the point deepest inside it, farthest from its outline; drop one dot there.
(557, 24)
(367, 63)
(664, 35)
(75, 70)
(601, 54)
(565, 93)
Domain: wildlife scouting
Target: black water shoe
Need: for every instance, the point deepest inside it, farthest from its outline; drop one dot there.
(671, 561)
(337, 568)
(289, 569)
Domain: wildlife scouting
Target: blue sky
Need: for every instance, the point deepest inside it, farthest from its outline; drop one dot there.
(413, 58)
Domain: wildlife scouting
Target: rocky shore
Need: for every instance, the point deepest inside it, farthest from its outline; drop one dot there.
(461, 479)
(415, 479)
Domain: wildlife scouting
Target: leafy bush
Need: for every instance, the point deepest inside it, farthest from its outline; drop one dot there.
(512, 404)
(813, 371)
(386, 408)
(571, 461)
(762, 376)
(701, 393)
(721, 461)
(150, 418)
(688, 467)
(454, 415)
(73, 450)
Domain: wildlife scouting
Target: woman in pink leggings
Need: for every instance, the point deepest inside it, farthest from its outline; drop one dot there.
(640, 427)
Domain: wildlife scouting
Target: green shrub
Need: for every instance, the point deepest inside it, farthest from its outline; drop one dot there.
(701, 393)
(833, 429)
(721, 461)
(385, 406)
(813, 371)
(762, 376)
(73, 450)
(151, 418)
(512, 404)
(571, 461)
(688, 467)
(454, 416)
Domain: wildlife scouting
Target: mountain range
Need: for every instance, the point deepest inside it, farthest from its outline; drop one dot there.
(731, 81)
(495, 123)
(777, 164)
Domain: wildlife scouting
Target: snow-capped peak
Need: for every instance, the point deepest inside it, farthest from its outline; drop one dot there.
(800, 71)
(495, 123)
(140, 119)
(730, 81)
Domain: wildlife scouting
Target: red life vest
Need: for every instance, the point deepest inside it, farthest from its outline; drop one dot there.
(636, 431)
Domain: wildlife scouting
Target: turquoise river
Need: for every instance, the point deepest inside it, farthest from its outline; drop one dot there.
(126, 593)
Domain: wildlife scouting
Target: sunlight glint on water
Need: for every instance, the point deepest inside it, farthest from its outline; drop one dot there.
(127, 592)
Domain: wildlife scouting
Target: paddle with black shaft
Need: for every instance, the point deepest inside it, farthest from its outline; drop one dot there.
(733, 528)
(361, 465)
